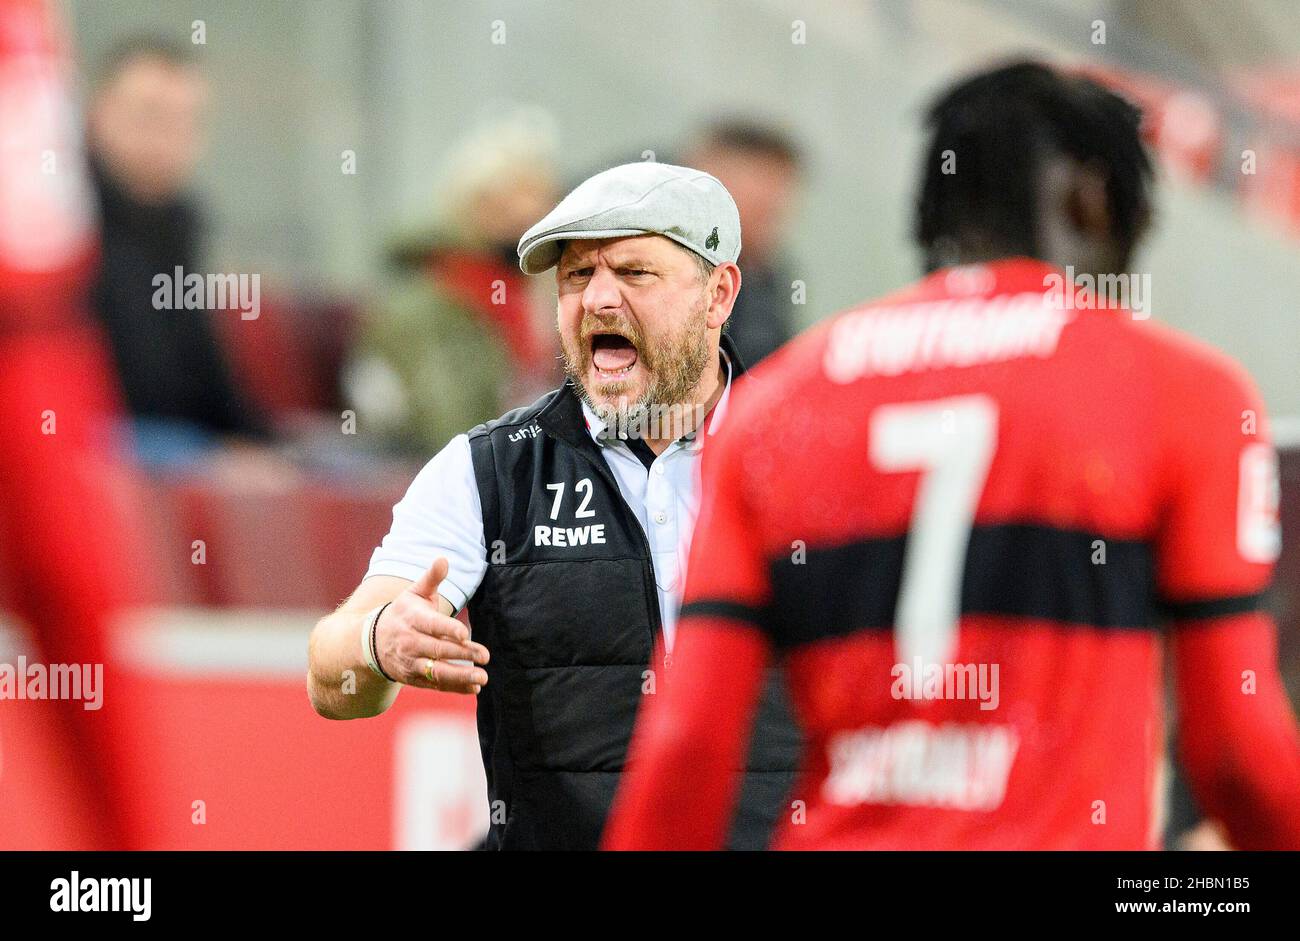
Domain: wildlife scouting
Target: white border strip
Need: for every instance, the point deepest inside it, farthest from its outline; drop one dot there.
(14, 640)
(190, 641)
(1286, 432)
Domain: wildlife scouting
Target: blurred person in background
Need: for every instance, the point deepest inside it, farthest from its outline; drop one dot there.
(464, 335)
(145, 136)
(760, 166)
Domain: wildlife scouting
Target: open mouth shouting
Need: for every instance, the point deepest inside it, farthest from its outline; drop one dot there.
(613, 356)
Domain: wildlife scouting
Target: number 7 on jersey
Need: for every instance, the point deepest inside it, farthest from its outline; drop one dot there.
(951, 442)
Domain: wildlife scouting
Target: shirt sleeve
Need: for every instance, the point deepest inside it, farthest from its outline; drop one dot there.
(440, 515)
(727, 575)
(1220, 535)
(1236, 730)
(681, 784)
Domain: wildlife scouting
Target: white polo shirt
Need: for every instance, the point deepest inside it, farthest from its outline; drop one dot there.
(441, 515)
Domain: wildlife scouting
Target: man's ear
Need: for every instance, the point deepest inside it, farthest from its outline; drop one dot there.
(1088, 204)
(724, 286)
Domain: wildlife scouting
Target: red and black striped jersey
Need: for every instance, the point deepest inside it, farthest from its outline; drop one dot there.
(963, 516)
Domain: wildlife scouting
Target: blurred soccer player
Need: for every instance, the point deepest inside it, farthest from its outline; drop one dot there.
(73, 546)
(960, 514)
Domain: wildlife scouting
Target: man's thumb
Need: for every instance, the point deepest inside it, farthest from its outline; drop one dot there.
(426, 586)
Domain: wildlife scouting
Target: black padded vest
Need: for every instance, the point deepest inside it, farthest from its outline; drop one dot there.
(568, 609)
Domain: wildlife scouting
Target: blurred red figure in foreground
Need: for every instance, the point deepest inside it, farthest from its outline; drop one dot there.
(67, 541)
(961, 512)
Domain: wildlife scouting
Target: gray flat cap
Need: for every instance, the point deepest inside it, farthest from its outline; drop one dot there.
(688, 206)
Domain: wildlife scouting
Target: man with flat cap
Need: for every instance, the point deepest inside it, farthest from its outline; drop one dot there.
(564, 526)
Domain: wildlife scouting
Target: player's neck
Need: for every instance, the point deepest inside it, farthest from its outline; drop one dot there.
(691, 414)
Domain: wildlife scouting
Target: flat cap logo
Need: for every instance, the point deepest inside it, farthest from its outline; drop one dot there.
(712, 241)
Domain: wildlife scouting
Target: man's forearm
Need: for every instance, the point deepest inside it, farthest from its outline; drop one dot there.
(339, 683)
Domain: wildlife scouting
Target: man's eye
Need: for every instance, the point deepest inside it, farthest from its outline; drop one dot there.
(580, 273)
(635, 272)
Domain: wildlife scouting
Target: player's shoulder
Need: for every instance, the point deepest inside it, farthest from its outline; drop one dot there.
(789, 371)
(796, 373)
(448, 473)
(524, 416)
(799, 367)
(1193, 369)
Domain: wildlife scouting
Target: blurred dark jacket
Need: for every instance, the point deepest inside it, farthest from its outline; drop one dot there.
(168, 362)
(763, 318)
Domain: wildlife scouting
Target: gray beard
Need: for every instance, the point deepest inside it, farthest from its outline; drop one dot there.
(673, 378)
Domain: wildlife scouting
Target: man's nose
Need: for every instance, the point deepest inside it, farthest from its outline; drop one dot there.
(601, 292)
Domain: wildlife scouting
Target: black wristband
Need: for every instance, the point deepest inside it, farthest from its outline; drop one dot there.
(374, 650)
